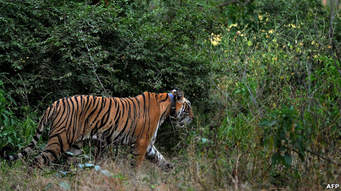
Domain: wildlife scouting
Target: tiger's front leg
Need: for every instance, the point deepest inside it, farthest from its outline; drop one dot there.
(156, 157)
(140, 151)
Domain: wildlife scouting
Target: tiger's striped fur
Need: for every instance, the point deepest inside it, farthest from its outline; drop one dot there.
(128, 121)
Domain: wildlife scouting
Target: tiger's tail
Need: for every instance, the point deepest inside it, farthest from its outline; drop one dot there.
(49, 112)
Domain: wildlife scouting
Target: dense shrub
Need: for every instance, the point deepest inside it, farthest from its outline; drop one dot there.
(14, 132)
(53, 49)
(277, 96)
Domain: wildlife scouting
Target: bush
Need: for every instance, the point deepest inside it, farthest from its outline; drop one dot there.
(14, 133)
(276, 96)
(118, 50)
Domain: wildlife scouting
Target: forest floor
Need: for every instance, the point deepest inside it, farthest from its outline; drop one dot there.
(191, 173)
(107, 174)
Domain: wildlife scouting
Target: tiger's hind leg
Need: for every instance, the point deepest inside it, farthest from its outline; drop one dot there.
(56, 145)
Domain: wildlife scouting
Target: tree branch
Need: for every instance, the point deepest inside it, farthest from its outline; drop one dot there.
(94, 70)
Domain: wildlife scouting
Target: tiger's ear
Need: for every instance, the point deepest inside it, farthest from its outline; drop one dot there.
(178, 94)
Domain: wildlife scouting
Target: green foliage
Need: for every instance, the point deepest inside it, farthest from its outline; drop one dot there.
(117, 50)
(284, 134)
(276, 94)
(14, 133)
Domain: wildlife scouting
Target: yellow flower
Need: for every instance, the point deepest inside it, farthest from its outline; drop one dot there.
(215, 39)
(260, 17)
(271, 31)
(301, 43)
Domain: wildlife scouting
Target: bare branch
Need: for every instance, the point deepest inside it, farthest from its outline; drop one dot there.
(333, 9)
(94, 70)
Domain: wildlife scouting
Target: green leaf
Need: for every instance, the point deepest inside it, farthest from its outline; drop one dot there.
(276, 158)
(287, 160)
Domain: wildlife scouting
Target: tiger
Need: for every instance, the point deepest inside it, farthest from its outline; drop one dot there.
(130, 121)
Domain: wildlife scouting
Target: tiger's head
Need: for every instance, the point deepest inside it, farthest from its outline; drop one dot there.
(181, 110)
